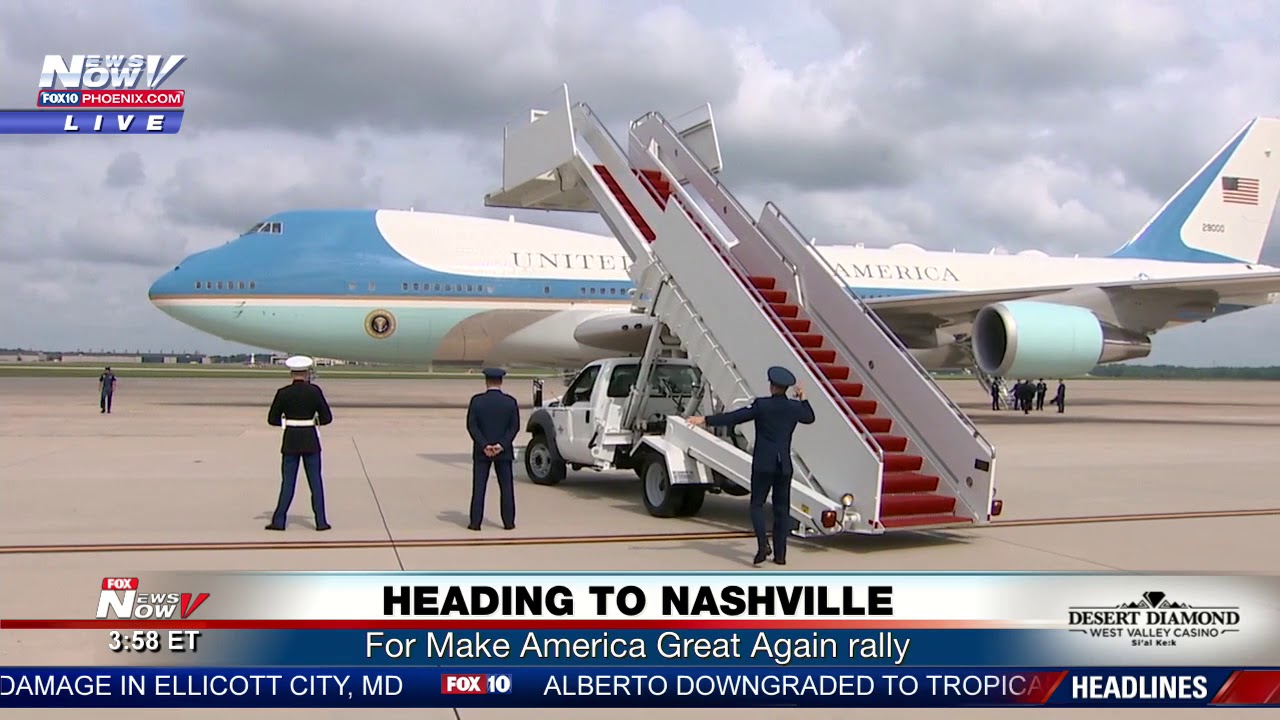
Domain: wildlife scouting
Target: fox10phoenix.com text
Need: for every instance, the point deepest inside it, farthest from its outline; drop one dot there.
(102, 95)
(715, 640)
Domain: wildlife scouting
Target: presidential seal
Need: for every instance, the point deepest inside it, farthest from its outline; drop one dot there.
(380, 324)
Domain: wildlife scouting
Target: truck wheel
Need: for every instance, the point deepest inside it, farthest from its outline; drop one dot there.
(661, 498)
(691, 503)
(729, 487)
(540, 463)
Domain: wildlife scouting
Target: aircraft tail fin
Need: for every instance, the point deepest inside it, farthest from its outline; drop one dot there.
(1221, 215)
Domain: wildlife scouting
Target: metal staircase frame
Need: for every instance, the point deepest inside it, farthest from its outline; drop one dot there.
(669, 302)
(545, 167)
(951, 444)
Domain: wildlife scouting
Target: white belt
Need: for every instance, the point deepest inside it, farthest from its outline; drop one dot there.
(299, 423)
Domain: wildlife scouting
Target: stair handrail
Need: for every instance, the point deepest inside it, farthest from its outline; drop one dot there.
(690, 208)
(686, 201)
(770, 206)
(744, 388)
(868, 311)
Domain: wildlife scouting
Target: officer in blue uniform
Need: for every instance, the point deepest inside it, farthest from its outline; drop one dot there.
(299, 407)
(493, 421)
(776, 418)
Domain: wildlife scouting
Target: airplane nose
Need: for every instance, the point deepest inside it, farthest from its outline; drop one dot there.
(164, 285)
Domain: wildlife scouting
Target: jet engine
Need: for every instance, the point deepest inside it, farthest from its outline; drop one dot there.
(616, 332)
(1029, 339)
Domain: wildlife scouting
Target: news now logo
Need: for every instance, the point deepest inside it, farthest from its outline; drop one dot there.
(475, 684)
(109, 81)
(120, 596)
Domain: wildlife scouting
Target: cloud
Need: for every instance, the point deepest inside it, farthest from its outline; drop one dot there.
(126, 171)
(241, 181)
(319, 67)
(969, 125)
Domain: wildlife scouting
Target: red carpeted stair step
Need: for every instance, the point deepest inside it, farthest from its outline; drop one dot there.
(821, 356)
(916, 504)
(627, 205)
(847, 389)
(797, 325)
(764, 282)
(905, 521)
(774, 297)
(891, 443)
(898, 462)
(908, 482)
(834, 372)
(659, 183)
(810, 340)
(785, 311)
(863, 407)
(875, 424)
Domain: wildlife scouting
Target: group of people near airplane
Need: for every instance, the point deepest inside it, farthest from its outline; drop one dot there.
(1026, 394)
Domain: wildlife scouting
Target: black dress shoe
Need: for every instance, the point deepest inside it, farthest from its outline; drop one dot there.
(760, 557)
(508, 527)
(274, 527)
(780, 561)
(322, 528)
(473, 527)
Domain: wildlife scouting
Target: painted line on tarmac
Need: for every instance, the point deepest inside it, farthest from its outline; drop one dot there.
(1137, 517)
(566, 539)
(368, 544)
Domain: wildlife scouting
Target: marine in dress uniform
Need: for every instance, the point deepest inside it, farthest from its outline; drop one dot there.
(776, 418)
(493, 421)
(299, 407)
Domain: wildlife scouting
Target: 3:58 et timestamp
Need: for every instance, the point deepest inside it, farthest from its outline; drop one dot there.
(153, 641)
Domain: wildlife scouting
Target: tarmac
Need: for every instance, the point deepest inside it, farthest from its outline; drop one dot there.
(1136, 475)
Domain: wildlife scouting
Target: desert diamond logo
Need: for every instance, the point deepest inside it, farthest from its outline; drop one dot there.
(1154, 620)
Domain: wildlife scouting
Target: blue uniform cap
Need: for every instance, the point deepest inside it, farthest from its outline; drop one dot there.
(781, 377)
(494, 373)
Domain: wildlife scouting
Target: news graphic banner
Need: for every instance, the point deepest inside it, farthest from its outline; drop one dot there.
(753, 639)
(102, 95)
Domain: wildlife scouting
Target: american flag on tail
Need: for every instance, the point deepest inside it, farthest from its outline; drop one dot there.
(1239, 190)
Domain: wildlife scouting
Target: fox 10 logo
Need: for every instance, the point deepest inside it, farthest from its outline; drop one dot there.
(103, 94)
(103, 81)
(475, 684)
(120, 598)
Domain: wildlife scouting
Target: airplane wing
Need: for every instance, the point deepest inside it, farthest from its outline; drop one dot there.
(917, 312)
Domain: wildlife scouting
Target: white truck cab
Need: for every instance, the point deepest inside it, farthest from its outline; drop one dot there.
(588, 427)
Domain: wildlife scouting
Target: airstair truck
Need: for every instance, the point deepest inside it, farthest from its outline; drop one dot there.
(727, 296)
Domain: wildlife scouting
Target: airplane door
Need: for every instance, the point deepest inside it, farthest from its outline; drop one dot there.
(576, 421)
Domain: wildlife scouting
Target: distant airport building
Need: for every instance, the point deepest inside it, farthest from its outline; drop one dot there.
(100, 359)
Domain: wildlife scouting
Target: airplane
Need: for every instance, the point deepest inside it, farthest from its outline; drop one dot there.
(421, 288)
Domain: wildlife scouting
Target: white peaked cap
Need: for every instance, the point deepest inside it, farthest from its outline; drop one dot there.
(299, 362)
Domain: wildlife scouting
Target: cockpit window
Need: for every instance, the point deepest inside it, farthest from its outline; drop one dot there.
(270, 228)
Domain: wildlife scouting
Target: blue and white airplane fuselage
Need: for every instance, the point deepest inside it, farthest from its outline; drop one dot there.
(402, 287)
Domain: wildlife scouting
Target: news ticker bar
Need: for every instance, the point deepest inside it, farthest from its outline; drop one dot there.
(941, 687)
(130, 121)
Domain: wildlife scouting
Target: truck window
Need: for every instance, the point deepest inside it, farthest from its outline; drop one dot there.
(581, 387)
(678, 379)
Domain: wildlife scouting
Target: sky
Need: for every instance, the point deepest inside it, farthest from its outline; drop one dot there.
(951, 124)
